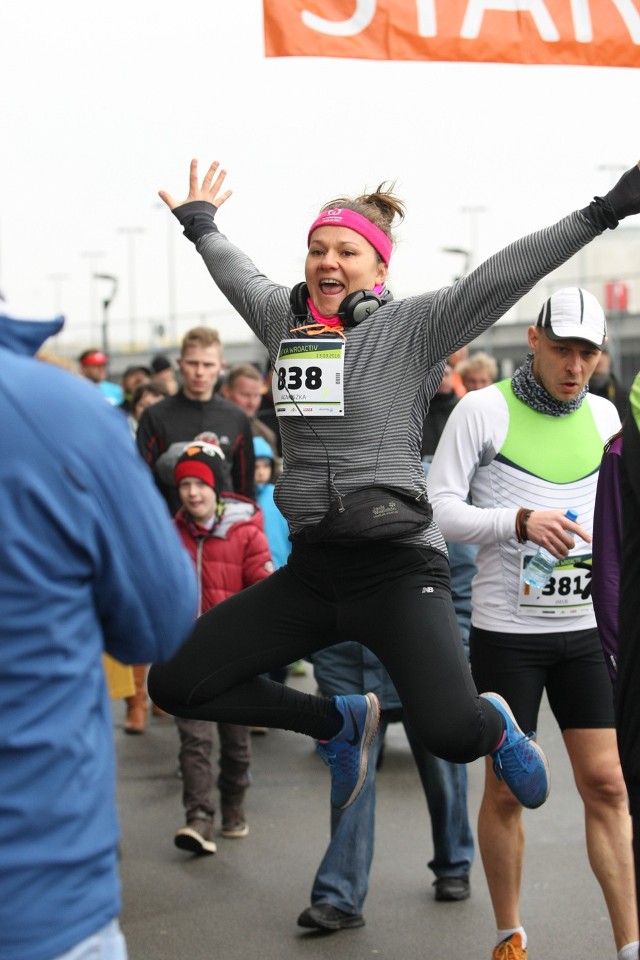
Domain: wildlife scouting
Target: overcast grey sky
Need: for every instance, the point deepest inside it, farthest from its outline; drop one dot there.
(105, 103)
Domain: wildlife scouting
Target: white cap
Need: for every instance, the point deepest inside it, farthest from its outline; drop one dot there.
(574, 314)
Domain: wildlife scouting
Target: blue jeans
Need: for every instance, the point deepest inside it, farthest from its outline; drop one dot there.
(105, 944)
(343, 875)
(462, 563)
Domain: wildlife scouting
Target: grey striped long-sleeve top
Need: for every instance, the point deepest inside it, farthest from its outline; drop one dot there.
(393, 365)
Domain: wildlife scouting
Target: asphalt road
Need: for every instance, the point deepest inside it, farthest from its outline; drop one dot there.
(242, 903)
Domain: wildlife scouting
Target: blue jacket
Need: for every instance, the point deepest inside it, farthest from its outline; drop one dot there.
(275, 525)
(89, 561)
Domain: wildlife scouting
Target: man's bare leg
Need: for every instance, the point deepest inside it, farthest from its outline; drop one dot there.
(596, 767)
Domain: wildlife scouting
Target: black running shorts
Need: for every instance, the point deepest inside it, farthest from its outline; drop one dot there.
(569, 665)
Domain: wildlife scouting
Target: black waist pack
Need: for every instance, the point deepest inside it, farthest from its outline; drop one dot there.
(373, 513)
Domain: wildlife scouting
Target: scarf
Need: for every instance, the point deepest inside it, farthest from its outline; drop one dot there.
(323, 325)
(526, 388)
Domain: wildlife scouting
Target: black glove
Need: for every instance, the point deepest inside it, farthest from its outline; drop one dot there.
(621, 201)
(196, 218)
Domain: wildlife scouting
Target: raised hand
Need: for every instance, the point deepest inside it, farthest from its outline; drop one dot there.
(210, 190)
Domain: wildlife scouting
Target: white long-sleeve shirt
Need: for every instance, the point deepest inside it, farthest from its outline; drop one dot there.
(496, 455)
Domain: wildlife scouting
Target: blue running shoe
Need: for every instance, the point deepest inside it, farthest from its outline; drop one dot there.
(347, 754)
(519, 761)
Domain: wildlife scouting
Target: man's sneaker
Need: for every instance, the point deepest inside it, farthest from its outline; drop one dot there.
(452, 888)
(510, 949)
(519, 761)
(196, 836)
(234, 825)
(324, 916)
(347, 754)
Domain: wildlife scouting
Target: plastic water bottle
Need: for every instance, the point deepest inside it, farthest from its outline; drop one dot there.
(538, 572)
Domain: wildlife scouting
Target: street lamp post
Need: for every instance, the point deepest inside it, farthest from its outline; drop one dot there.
(473, 212)
(131, 233)
(171, 273)
(106, 303)
(92, 256)
(463, 253)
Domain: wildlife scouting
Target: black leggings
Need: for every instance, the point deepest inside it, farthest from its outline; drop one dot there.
(394, 599)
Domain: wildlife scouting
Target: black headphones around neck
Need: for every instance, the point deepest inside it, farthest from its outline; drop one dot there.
(353, 310)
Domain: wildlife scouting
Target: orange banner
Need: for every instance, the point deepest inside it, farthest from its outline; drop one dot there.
(603, 33)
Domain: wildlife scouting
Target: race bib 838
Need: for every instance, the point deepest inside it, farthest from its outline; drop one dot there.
(308, 379)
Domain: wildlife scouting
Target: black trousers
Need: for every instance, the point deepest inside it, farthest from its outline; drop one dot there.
(394, 599)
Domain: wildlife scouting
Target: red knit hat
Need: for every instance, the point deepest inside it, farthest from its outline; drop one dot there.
(204, 461)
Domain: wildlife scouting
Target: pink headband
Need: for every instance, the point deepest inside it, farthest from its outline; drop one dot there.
(339, 217)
